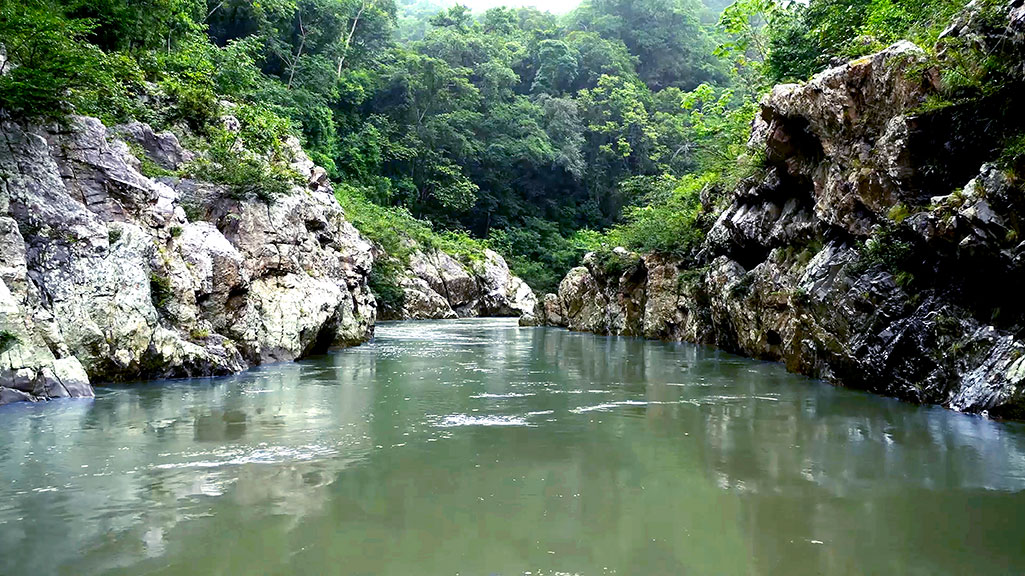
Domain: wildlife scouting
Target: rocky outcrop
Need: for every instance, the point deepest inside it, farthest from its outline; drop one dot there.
(436, 286)
(865, 254)
(109, 275)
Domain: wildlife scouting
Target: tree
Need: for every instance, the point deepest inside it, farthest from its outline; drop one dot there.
(557, 68)
(48, 69)
(666, 36)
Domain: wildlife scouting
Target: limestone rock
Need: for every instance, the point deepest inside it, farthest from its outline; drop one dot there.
(110, 275)
(843, 261)
(437, 286)
(841, 132)
(163, 148)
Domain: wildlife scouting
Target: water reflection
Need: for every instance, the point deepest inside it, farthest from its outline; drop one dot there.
(483, 448)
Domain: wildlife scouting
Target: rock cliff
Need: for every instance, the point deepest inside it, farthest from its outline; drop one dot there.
(109, 275)
(435, 286)
(879, 249)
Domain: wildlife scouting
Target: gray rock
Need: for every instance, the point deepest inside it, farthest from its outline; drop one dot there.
(163, 148)
(105, 278)
(436, 286)
(932, 315)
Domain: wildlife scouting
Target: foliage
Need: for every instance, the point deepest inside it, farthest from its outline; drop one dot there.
(8, 340)
(539, 253)
(246, 174)
(623, 123)
(669, 222)
(1012, 158)
(49, 69)
(384, 284)
(160, 289)
(805, 38)
(147, 167)
(615, 264)
(887, 250)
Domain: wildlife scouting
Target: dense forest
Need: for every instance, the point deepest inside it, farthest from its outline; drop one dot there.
(541, 136)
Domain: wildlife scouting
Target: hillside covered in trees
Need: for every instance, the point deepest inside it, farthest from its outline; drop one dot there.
(541, 136)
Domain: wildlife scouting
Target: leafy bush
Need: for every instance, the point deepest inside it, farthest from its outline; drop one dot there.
(50, 69)
(398, 233)
(886, 249)
(1012, 158)
(671, 223)
(540, 254)
(613, 264)
(246, 174)
(806, 38)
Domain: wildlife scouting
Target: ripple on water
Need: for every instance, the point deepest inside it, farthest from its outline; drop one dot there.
(605, 407)
(455, 420)
(262, 455)
(506, 395)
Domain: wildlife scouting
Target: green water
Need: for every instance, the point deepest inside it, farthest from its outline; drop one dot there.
(480, 448)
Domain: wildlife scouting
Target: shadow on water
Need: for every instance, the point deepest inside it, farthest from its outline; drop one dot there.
(477, 447)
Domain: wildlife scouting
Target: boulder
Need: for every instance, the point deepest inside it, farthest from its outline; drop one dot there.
(437, 286)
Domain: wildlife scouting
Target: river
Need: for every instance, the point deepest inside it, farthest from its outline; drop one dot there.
(481, 448)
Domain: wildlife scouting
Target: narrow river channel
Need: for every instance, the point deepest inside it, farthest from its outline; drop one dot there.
(481, 448)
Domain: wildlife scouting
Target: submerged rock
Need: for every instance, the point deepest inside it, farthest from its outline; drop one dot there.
(109, 275)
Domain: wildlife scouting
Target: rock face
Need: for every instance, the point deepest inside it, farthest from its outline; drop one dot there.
(109, 275)
(438, 286)
(866, 254)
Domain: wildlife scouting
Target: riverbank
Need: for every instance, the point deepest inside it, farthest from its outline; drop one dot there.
(126, 256)
(878, 249)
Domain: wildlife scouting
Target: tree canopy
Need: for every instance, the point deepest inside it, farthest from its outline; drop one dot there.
(542, 135)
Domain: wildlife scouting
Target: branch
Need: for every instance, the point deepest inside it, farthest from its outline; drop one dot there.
(348, 39)
(298, 52)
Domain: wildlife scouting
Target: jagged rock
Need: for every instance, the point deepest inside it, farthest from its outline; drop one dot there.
(437, 286)
(552, 311)
(844, 132)
(843, 262)
(423, 303)
(163, 148)
(445, 276)
(106, 278)
(501, 293)
(28, 368)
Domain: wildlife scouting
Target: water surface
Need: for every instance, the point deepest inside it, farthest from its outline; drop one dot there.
(481, 448)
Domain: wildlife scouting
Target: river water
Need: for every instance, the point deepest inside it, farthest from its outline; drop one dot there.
(481, 448)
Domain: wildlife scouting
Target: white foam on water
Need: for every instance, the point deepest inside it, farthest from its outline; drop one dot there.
(507, 395)
(610, 405)
(455, 420)
(263, 455)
